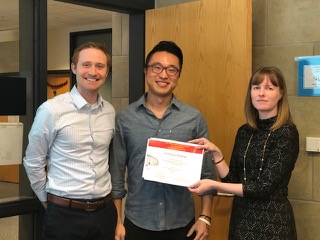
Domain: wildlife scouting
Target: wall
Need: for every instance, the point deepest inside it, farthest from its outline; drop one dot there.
(9, 45)
(120, 61)
(283, 30)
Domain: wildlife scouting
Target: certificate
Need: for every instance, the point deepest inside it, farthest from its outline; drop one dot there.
(172, 162)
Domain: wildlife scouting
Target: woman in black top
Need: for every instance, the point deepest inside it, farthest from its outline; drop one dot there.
(263, 158)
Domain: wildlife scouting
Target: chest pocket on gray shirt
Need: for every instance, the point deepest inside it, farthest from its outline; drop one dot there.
(178, 134)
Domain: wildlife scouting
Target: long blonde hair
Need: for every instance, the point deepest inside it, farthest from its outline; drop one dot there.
(277, 79)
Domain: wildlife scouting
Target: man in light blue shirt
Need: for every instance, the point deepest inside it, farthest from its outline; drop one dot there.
(70, 136)
(157, 211)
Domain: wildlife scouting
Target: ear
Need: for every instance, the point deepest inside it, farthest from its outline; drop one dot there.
(73, 68)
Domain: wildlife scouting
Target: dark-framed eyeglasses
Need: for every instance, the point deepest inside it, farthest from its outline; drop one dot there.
(158, 68)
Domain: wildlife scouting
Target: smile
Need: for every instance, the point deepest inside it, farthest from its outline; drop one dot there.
(92, 79)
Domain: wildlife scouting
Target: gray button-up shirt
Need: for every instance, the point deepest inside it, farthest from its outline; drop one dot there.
(152, 205)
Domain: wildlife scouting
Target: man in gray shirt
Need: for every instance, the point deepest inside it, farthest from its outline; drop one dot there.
(155, 210)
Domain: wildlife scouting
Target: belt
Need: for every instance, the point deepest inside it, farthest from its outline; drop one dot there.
(86, 205)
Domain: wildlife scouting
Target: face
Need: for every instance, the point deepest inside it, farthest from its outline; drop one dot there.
(91, 70)
(162, 84)
(265, 98)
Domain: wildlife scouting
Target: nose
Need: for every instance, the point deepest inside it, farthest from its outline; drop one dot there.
(261, 92)
(163, 74)
(93, 70)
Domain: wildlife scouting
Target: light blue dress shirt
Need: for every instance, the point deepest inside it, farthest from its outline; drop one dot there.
(72, 138)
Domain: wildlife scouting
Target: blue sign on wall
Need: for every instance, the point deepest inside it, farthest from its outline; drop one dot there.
(309, 76)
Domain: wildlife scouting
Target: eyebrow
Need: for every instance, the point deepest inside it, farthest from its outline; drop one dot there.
(170, 65)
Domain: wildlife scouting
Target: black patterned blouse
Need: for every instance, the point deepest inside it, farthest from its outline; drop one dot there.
(264, 212)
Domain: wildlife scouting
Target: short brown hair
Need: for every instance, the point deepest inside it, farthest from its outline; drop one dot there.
(96, 45)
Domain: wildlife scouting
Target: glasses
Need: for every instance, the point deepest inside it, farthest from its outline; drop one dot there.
(157, 68)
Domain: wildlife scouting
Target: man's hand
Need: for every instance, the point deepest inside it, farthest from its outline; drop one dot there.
(201, 229)
(120, 232)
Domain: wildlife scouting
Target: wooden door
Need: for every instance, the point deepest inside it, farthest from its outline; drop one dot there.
(215, 37)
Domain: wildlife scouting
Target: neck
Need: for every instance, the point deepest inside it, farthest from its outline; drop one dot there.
(263, 115)
(90, 96)
(158, 105)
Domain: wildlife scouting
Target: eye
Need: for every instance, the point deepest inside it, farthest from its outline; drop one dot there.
(255, 87)
(172, 70)
(100, 66)
(86, 65)
(157, 68)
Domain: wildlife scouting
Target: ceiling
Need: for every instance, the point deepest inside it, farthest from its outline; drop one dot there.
(60, 14)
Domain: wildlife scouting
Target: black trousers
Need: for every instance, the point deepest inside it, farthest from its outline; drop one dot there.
(135, 233)
(63, 223)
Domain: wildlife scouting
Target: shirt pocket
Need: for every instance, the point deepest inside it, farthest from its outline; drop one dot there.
(177, 134)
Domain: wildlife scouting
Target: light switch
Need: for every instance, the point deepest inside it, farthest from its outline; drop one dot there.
(312, 144)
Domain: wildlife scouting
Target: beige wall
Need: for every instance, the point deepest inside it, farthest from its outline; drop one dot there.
(9, 51)
(120, 61)
(283, 30)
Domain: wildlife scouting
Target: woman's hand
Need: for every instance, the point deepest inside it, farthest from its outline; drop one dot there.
(202, 186)
(208, 147)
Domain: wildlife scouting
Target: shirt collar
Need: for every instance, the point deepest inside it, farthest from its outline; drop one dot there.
(175, 103)
(80, 101)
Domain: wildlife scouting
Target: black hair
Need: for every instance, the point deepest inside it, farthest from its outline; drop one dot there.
(166, 46)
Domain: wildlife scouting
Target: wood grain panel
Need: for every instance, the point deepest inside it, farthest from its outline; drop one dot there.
(9, 173)
(215, 37)
(3, 118)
